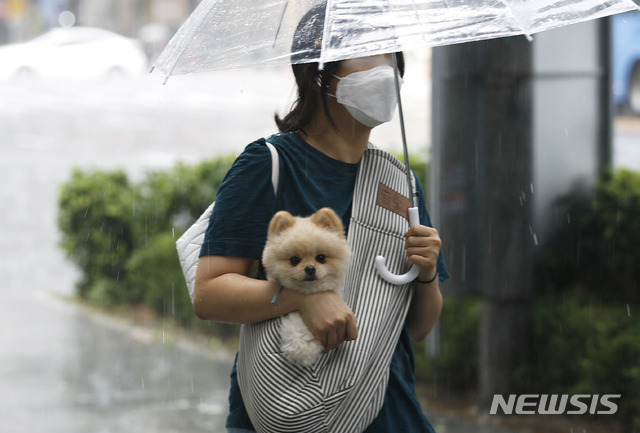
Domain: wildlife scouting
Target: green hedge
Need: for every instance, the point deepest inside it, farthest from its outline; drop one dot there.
(580, 346)
(122, 235)
(587, 347)
(598, 250)
(152, 272)
(454, 372)
(586, 322)
(98, 232)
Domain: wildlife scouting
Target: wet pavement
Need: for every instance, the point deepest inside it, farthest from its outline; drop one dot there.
(63, 368)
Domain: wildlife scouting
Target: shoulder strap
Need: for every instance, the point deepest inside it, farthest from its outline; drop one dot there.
(397, 163)
(275, 166)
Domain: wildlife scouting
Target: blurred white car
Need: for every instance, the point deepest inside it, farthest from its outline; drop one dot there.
(74, 52)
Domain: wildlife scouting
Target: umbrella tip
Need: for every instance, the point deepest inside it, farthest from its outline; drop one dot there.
(166, 77)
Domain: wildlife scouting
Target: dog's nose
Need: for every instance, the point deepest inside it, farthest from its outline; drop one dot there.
(310, 270)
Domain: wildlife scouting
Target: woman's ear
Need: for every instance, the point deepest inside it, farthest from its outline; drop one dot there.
(313, 77)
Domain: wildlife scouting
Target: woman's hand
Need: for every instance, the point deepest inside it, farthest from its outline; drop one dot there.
(326, 315)
(423, 248)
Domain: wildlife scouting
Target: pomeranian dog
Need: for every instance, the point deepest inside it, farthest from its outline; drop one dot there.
(309, 255)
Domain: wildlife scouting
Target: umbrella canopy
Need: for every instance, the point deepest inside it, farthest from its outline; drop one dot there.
(226, 34)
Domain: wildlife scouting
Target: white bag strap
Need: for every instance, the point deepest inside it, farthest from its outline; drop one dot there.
(190, 243)
(275, 167)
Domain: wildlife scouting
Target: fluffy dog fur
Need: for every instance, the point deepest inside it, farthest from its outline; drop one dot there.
(308, 255)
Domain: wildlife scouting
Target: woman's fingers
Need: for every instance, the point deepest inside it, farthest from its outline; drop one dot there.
(329, 319)
(423, 246)
(351, 331)
(333, 340)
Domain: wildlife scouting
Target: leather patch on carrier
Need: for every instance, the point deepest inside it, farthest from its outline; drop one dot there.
(392, 200)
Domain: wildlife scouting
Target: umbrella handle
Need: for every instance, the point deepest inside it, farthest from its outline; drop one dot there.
(412, 274)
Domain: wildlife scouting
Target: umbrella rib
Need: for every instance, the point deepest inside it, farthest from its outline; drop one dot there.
(516, 15)
(280, 24)
(325, 36)
(419, 20)
(199, 16)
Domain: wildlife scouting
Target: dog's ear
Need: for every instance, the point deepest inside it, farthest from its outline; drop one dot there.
(280, 222)
(328, 219)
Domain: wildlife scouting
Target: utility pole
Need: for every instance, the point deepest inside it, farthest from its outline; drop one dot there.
(516, 125)
(482, 128)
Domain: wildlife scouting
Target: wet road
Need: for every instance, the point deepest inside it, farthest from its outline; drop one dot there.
(63, 369)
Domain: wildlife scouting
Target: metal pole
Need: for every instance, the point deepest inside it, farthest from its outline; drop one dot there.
(402, 130)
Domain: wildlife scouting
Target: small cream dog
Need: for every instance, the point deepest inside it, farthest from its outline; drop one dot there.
(308, 255)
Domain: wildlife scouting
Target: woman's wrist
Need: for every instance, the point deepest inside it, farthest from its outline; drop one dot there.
(288, 301)
(427, 277)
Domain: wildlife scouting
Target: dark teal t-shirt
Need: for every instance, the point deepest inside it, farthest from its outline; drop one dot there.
(308, 181)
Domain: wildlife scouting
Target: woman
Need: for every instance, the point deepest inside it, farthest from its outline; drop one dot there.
(322, 141)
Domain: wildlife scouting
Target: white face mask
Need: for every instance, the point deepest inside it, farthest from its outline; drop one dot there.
(369, 96)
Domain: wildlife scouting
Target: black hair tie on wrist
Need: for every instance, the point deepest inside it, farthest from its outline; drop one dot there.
(430, 281)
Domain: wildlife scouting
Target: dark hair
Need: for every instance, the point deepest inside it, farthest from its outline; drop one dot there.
(312, 82)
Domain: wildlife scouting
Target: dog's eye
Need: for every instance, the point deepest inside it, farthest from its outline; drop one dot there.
(295, 261)
(321, 258)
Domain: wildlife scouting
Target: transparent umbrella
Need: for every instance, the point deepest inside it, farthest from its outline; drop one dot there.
(227, 34)
(222, 34)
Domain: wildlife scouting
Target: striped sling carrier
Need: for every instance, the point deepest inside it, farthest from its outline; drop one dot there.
(344, 391)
